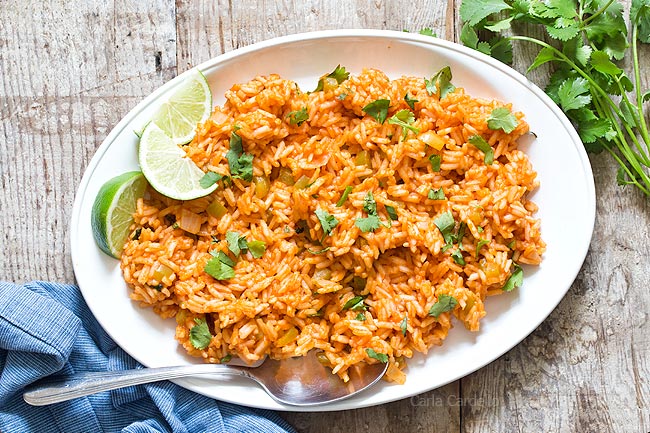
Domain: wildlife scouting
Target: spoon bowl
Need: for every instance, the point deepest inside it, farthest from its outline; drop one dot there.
(299, 381)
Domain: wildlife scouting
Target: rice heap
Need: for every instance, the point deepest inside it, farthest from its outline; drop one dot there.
(357, 296)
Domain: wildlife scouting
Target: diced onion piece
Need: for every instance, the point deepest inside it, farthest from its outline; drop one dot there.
(286, 176)
(394, 374)
(323, 274)
(288, 337)
(363, 158)
(181, 316)
(322, 358)
(161, 272)
(216, 209)
(189, 221)
(476, 215)
(302, 183)
(262, 186)
(432, 139)
(490, 269)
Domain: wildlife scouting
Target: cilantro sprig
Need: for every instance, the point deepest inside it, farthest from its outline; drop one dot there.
(200, 336)
(405, 119)
(381, 357)
(605, 104)
(378, 109)
(209, 179)
(443, 304)
(515, 280)
(440, 83)
(339, 74)
(298, 117)
(327, 221)
(240, 163)
(220, 266)
(372, 221)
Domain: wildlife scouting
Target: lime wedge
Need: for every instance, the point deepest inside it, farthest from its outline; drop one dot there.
(189, 105)
(112, 211)
(167, 167)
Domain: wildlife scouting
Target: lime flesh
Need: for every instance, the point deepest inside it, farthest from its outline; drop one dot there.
(189, 105)
(112, 211)
(167, 167)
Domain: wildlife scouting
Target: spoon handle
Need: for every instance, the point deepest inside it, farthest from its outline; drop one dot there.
(56, 390)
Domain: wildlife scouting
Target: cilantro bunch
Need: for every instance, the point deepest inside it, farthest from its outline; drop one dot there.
(587, 38)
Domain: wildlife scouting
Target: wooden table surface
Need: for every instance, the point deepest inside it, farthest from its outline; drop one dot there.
(70, 70)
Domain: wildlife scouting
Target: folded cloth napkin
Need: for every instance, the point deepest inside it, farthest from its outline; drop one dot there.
(47, 328)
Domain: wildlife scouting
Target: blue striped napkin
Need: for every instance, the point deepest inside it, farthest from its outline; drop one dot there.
(46, 328)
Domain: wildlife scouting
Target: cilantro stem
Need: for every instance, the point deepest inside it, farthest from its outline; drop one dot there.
(626, 151)
(643, 127)
(609, 110)
(598, 12)
(575, 67)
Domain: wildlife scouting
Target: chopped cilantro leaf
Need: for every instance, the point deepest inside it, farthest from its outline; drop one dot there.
(372, 222)
(427, 32)
(226, 359)
(360, 317)
(200, 336)
(440, 83)
(344, 196)
(327, 221)
(435, 161)
(137, 233)
(298, 117)
(410, 101)
(445, 223)
(378, 109)
(403, 325)
(355, 303)
(436, 194)
(443, 304)
(223, 257)
(381, 357)
(240, 163)
(236, 242)
(339, 74)
(405, 119)
(369, 204)
(257, 248)
(482, 145)
(218, 268)
(342, 96)
(515, 280)
(368, 224)
(480, 245)
(209, 179)
(502, 118)
(392, 213)
(458, 257)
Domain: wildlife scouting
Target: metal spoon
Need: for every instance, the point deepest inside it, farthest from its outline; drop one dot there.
(300, 381)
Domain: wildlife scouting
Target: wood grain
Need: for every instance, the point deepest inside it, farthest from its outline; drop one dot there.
(69, 71)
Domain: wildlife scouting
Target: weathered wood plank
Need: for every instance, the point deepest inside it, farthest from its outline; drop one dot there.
(70, 71)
